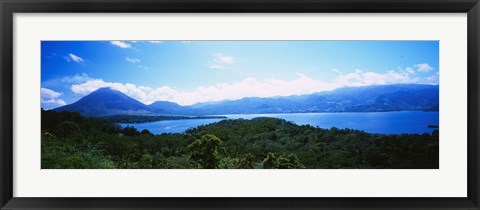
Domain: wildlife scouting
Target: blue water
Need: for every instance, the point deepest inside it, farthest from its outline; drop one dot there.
(371, 122)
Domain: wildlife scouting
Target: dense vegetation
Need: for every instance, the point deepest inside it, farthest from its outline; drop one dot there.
(147, 118)
(72, 141)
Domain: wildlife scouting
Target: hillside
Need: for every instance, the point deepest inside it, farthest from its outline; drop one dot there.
(72, 141)
(380, 98)
(104, 102)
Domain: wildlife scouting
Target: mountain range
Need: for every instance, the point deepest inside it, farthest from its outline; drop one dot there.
(379, 98)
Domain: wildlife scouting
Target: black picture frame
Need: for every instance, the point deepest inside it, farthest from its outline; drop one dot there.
(10, 7)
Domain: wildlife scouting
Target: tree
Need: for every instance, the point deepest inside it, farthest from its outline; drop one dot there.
(204, 151)
(289, 162)
(282, 162)
(270, 162)
(246, 161)
(146, 132)
(130, 131)
(67, 129)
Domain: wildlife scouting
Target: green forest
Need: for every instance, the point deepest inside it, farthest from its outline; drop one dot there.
(70, 141)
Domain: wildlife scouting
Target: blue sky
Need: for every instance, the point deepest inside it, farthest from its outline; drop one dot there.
(188, 72)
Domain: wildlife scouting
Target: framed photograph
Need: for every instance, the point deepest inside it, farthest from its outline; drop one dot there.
(239, 104)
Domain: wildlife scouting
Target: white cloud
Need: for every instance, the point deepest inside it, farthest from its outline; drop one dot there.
(360, 78)
(49, 98)
(410, 70)
(336, 71)
(155, 42)
(121, 44)
(47, 93)
(219, 58)
(61, 81)
(423, 67)
(52, 102)
(89, 86)
(432, 79)
(136, 60)
(75, 58)
(221, 61)
(83, 77)
(132, 60)
(250, 87)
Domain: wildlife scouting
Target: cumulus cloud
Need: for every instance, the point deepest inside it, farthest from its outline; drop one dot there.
(155, 42)
(221, 61)
(432, 79)
(336, 71)
(360, 78)
(252, 87)
(410, 70)
(121, 44)
(132, 60)
(49, 98)
(248, 87)
(423, 67)
(47, 93)
(90, 86)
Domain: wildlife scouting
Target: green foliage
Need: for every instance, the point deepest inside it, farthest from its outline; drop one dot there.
(270, 162)
(291, 161)
(228, 163)
(157, 160)
(72, 141)
(204, 151)
(66, 129)
(58, 153)
(288, 162)
(146, 132)
(246, 161)
(130, 131)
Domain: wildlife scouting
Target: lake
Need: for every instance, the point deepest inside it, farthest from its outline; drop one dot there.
(370, 122)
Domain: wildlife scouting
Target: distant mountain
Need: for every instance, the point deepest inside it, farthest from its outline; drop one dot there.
(106, 101)
(251, 105)
(167, 107)
(401, 97)
(379, 98)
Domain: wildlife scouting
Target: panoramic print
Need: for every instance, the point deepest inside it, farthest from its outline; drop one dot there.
(239, 104)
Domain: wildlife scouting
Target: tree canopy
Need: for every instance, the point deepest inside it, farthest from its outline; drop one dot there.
(72, 141)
